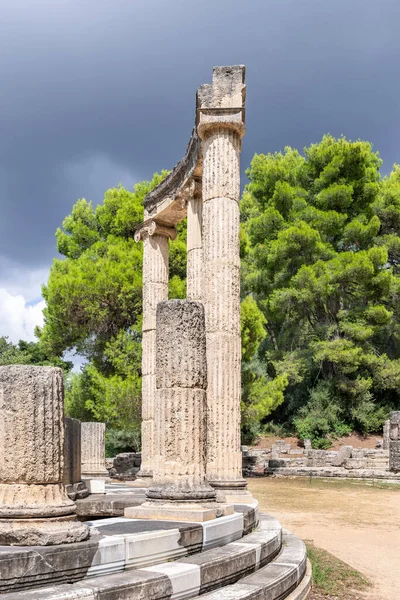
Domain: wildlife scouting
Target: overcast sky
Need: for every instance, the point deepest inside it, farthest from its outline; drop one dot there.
(99, 92)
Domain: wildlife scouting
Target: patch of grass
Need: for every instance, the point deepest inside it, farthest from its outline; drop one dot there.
(333, 577)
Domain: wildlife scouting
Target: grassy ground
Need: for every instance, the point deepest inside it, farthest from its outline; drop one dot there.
(333, 578)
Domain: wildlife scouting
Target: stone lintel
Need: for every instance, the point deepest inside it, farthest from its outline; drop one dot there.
(152, 227)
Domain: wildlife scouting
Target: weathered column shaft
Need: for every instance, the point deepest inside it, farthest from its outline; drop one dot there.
(34, 506)
(221, 222)
(386, 434)
(181, 374)
(194, 279)
(93, 449)
(394, 441)
(72, 453)
(155, 290)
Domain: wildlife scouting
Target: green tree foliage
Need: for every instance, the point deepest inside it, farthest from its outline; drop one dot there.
(321, 247)
(29, 353)
(94, 303)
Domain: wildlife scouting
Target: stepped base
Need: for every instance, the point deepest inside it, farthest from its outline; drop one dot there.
(224, 558)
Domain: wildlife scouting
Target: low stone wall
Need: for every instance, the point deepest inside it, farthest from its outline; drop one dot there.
(342, 462)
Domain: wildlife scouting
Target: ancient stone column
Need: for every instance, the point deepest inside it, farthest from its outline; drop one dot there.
(155, 289)
(72, 460)
(221, 128)
(386, 435)
(179, 488)
(394, 441)
(34, 506)
(93, 450)
(194, 279)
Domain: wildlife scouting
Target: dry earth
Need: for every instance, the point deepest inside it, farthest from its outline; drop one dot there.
(357, 523)
(355, 439)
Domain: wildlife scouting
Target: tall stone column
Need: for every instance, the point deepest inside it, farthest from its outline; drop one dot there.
(34, 506)
(93, 450)
(155, 290)
(180, 490)
(194, 279)
(221, 127)
(394, 441)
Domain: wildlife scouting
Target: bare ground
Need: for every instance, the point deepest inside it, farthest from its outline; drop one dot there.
(354, 439)
(357, 523)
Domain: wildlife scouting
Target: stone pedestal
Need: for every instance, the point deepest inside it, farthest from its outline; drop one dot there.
(155, 289)
(74, 485)
(34, 506)
(180, 490)
(93, 451)
(394, 442)
(221, 127)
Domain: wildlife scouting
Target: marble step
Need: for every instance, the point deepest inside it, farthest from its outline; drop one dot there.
(186, 577)
(117, 544)
(287, 576)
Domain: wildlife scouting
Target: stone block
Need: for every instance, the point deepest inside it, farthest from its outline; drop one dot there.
(343, 455)
(125, 466)
(93, 450)
(223, 530)
(185, 579)
(153, 547)
(181, 360)
(95, 486)
(394, 455)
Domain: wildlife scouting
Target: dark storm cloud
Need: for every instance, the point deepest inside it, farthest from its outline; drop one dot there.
(97, 92)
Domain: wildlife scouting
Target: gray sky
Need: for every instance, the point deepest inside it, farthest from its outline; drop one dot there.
(100, 92)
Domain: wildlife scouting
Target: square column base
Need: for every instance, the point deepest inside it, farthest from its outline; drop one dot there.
(233, 497)
(95, 486)
(175, 511)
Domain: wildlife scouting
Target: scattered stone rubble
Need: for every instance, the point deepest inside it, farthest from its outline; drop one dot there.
(125, 466)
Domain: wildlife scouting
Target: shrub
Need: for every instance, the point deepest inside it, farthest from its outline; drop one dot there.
(122, 440)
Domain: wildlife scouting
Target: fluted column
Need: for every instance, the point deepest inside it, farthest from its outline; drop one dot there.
(181, 381)
(180, 490)
(155, 290)
(221, 191)
(194, 278)
(34, 506)
(93, 450)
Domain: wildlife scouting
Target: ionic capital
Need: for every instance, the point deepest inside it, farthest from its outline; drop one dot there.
(210, 121)
(151, 228)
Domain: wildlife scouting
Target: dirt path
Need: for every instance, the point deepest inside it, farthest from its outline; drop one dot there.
(358, 524)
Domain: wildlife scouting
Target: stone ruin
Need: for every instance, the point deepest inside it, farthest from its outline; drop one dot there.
(282, 459)
(193, 529)
(205, 188)
(34, 505)
(394, 441)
